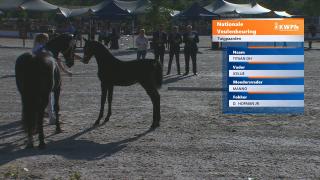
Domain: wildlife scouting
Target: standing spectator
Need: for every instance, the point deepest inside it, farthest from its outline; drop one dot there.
(101, 34)
(106, 35)
(158, 42)
(92, 32)
(313, 33)
(114, 39)
(142, 45)
(175, 39)
(39, 50)
(190, 38)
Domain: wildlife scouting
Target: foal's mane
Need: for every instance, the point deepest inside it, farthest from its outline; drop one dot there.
(59, 38)
(100, 48)
(54, 45)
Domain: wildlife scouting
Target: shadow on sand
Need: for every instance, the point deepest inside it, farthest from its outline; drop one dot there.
(172, 78)
(69, 148)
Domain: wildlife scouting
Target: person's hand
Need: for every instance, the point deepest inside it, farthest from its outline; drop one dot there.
(69, 73)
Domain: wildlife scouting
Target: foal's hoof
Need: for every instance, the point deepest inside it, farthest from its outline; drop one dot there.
(58, 131)
(96, 124)
(106, 120)
(52, 121)
(42, 146)
(155, 125)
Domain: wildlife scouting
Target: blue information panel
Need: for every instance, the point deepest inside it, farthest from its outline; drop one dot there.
(263, 80)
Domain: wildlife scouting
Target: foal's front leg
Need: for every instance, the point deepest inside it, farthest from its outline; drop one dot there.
(103, 101)
(110, 94)
(57, 108)
(155, 98)
(42, 144)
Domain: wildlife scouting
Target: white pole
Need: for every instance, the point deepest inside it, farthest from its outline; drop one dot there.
(133, 32)
(90, 24)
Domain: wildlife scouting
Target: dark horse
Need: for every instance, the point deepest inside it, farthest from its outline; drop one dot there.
(36, 77)
(113, 72)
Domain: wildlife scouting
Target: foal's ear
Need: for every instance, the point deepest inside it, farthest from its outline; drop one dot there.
(85, 40)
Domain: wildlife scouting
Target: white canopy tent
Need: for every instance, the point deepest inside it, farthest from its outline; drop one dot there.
(256, 9)
(282, 14)
(224, 7)
(38, 5)
(228, 7)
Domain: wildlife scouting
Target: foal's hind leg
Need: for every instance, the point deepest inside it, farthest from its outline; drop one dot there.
(42, 144)
(57, 108)
(110, 94)
(103, 101)
(155, 98)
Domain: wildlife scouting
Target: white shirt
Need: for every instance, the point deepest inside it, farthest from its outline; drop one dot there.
(142, 43)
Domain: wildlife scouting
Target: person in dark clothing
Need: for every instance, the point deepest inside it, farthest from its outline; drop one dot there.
(159, 40)
(92, 32)
(114, 39)
(313, 33)
(190, 38)
(175, 39)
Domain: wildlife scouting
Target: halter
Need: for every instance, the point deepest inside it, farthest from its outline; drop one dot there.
(71, 45)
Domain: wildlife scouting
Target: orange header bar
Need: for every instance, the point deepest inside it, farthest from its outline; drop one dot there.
(288, 26)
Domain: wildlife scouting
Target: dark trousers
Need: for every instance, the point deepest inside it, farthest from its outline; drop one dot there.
(141, 55)
(193, 55)
(176, 54)
(159, 54)
(310, 44)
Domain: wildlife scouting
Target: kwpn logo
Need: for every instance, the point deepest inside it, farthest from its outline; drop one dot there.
(286, 27)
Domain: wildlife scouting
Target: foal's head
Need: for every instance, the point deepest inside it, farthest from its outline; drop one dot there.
(88, 51)
(66, 44)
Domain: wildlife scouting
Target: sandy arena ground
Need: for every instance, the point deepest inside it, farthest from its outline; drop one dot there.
(195, 140)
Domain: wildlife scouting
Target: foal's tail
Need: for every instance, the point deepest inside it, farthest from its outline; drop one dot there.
(25, 79)
(158, 74)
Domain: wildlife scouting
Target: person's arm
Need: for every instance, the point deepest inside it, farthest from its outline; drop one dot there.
(146, 42)
(196, 38)
(62, 67)
(185, 39)
(137, 42)
(154, 39)
(180, 39)
(165, 38)
(77, 57)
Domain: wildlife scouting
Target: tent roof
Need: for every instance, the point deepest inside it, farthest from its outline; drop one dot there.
(10, 4)
(222, 7)
(74, 12)
(122, 8)
(110, 10)
(135, 7)
(228, 7)
(195, 11)
(282, 14)
(38, 5)
(256, 9)
(31, 5)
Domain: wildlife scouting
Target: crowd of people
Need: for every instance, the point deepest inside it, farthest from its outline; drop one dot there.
(171, 40)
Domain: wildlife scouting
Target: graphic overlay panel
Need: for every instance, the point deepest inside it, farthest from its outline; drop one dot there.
(263, 65)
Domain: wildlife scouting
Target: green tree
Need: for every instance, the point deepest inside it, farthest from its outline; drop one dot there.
(311, 8)
(158, 13)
